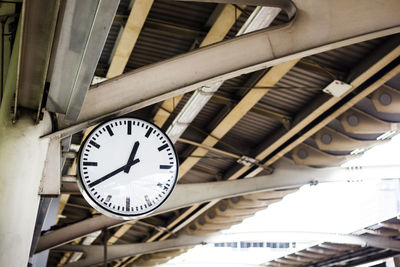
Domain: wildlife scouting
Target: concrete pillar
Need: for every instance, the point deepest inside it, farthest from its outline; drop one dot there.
(22, 157)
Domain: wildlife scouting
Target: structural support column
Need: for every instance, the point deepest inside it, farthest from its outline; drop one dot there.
(22, 158)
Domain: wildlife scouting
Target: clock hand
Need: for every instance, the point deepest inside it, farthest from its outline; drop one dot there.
(131, 157)
(111, 174)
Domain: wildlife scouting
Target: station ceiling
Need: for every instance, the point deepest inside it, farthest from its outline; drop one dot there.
(248, 123)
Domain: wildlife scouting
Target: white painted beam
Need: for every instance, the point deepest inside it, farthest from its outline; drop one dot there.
(81, 38)
(319, 26)
(94, 253)
(287, 175)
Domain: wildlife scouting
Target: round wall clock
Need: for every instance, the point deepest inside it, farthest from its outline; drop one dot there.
(127, 168)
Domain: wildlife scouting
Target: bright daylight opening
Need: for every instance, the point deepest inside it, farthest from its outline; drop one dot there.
(281, 229)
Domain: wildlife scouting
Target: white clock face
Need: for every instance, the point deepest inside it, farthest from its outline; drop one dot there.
(127, 168)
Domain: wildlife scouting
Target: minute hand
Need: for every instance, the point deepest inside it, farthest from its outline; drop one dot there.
(111, 174)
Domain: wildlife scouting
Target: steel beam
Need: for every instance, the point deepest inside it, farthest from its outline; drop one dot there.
(51, 183)
(287, 175)
(82, 33)
(22, 157)
(39, 23)
(319, 26)
(94, 253)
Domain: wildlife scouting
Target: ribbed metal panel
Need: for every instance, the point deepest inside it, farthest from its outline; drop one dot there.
(208, 168)
(233, 86)
(207, 114)
(154, 46)
(105, 57)
(216, 161)
(250, 130)
(346, 57)
(123, 6)
(289, 101)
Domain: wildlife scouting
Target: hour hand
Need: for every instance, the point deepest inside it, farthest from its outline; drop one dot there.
(131, 160)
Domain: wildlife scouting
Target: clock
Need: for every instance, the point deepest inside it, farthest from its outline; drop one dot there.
(127, 168)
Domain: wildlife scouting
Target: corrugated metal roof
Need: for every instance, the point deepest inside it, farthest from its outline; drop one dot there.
(345, 58)
(311, 75)
(153, 46)
(251, 130)
(123, 7)
(105, 57)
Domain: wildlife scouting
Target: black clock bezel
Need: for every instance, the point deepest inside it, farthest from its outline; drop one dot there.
(94, 203)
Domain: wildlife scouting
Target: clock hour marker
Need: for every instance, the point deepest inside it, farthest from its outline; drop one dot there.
(149, 132)
(146, 197)
(129, 127)
(110, 132)
(128, 203)
(165, 167)
(93, 143)
(161, 148)
(89, 163)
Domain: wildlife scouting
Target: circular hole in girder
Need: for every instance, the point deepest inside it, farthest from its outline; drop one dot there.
(235, 199)
(352, 120)
(302, 153)
(222, 207)
(326, 139)
(211, 214)
(201, 221)
(385, 99)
